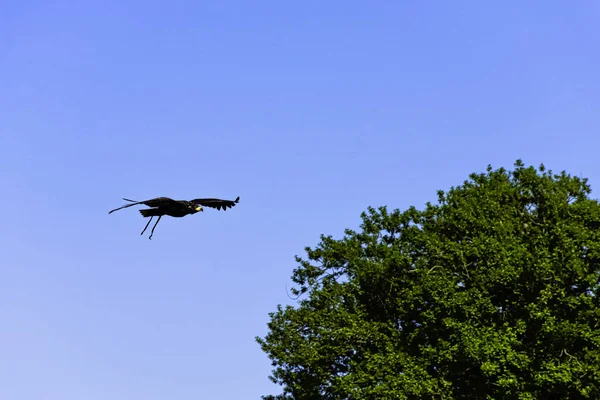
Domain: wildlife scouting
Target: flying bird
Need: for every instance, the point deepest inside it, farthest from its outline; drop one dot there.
(175, 208)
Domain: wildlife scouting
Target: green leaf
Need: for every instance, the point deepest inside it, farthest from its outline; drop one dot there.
(492, 293)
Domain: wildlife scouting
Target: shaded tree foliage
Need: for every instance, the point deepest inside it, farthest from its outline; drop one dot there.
(492, 293)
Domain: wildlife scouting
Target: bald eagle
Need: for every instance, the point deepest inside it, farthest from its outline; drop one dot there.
(175, 208)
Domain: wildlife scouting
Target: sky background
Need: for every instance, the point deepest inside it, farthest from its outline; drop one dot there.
(309, 111)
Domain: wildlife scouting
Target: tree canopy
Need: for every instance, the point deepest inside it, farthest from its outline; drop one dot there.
(492, 293)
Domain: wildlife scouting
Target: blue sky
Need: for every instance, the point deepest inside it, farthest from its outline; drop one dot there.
(310, 111)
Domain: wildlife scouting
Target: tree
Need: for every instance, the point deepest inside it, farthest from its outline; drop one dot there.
(492, 293)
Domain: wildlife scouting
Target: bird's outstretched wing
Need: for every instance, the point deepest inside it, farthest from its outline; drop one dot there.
(157, 202)
(216, 203)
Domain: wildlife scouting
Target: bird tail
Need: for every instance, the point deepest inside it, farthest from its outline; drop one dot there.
(150, 212)
(133, 203)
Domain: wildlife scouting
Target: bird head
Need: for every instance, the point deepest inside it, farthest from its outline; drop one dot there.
(194, 208)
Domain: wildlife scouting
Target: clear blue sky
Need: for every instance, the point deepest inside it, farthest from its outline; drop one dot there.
(310, 111)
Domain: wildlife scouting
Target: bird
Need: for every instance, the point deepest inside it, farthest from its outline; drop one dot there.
(175, 208)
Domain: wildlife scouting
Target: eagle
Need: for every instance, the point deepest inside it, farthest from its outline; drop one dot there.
(175, 208)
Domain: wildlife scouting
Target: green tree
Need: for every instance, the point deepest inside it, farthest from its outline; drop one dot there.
(492, 293)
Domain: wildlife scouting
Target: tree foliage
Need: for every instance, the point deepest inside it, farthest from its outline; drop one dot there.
(492, 293)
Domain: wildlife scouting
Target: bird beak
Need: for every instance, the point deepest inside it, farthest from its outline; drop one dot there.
(199, 208)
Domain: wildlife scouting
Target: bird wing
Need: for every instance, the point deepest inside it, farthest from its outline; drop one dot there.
(156, 202)
(217, 203)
